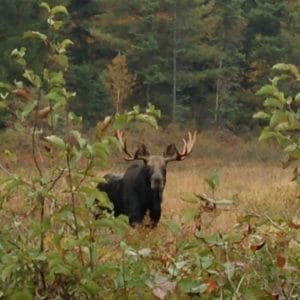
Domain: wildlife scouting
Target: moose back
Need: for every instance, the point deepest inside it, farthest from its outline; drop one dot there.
(140, 188)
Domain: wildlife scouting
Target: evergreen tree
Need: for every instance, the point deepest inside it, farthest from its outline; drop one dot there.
(91, 101)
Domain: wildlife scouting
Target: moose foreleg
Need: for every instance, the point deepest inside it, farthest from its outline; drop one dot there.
(155, 213)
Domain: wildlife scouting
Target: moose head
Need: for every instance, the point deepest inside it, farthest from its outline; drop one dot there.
(156, 165)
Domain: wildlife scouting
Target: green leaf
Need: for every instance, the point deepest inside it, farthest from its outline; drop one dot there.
(61, 60)
(273, 102)
(290, 148)
(13, 183)
(261, 115)
(56, 142)
(104, 269)
(151, 110)
(29, 107)
(21, 295)
(5, 86)
(229, 269)
(188, 286)
(94, 193)
(46, 6)
(277, 79)
(76, 120)
(101, 151)
(213, 179)
(147, 119)
(19, 53)
(190, 198)
(80, 140)
(59, 9)
(8, 270)
(206, 261)
(62, 47)
(294, 152)
(121, 121)
(54, 78)
(32, 78)
(215, 239)
(55, 95)
(267, 89)
(282, 67)
(277, 118)
(135, 110)
(173, 227)
(90, 286)
(266, 134)
(35, 34)
(297, 98)
(57, 24)
(189, 215)
(59, 268)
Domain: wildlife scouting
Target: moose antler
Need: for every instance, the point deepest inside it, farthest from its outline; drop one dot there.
(187, 148)
(120, 136)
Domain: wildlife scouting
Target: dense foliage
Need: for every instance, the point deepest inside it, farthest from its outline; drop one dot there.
(195, 60)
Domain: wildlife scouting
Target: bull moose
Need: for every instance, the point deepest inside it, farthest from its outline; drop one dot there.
(140, 188)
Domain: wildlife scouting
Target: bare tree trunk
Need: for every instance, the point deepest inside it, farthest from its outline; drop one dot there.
(218, 94)
(118, 100)
(174, 103)
(148, 94)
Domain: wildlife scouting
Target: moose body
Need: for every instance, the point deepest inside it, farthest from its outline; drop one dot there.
(113, 187)
(140, 188)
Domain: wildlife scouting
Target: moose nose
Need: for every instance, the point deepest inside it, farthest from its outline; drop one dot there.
(157, 182)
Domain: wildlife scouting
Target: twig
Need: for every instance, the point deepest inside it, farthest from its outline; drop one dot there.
(274, 223)
(7, 172)
(56, 180)
(239, 285)
(73, 203)
(33, 140)
(88, 167)
(213, 201)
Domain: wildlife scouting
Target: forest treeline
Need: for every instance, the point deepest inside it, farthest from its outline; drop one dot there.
(198, 61)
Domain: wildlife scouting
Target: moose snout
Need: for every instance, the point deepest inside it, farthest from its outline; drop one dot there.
(157, 182)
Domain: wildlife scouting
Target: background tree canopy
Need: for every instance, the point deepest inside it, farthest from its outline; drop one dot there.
(198, 61)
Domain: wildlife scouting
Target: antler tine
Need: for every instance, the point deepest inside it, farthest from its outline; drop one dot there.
(192, 140)
(183, 152)
(187, 148)
(188, 145)
(119, 136)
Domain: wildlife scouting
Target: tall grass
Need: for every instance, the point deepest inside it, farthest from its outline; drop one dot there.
(249, 171)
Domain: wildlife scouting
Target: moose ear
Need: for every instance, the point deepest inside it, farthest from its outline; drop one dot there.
(142, 153)
(171, 151)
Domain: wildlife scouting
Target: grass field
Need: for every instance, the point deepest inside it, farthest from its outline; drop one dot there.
(259, 187)
(249, 172)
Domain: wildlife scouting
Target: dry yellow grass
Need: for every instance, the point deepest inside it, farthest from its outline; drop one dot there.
(259, 187)
(248, 171)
